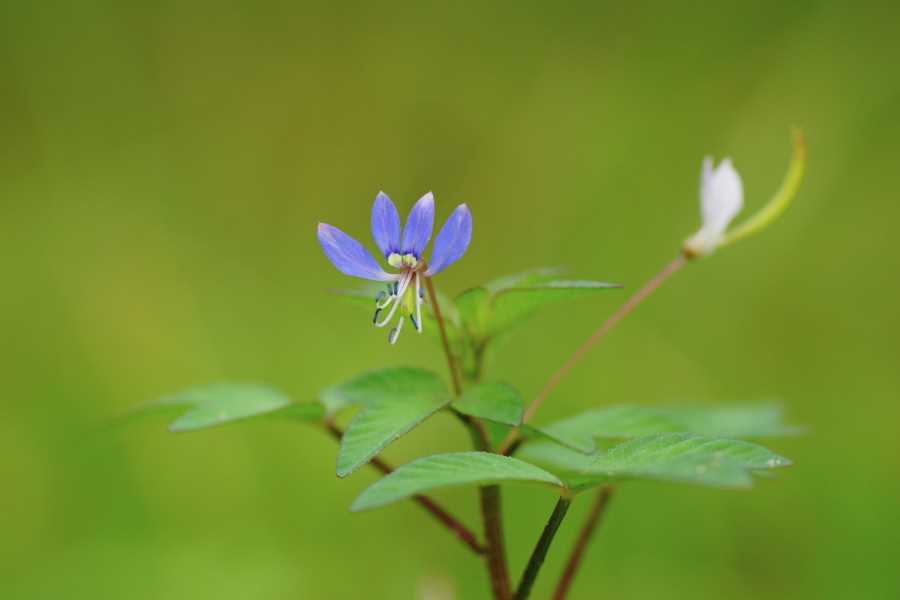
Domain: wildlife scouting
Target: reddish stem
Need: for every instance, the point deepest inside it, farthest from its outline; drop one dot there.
(592, 341)
(438, 512)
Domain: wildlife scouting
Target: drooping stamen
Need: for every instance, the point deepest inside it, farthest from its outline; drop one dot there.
(380, 296)
(394, 333)
(396, 298)
(375, 318)
(418, 320)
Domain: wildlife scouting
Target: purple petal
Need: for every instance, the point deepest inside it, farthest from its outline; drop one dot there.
(452, 240)
(385, 225)
(418, 226)
(348, 255)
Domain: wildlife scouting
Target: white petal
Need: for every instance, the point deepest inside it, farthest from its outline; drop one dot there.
(721, 199)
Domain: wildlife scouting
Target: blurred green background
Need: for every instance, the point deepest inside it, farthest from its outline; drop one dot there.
(163, 165)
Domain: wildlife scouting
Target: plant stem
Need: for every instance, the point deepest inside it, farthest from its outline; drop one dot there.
(451, 361)
(493, 534)
(491, 510)
(461, 531)
(584, 536)
(624, 310)
(540, 550)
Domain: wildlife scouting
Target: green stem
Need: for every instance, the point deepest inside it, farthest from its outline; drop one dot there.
(584, 536)
(540, 550)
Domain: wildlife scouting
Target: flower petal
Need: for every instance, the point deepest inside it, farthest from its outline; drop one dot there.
(452, 240)
(418, 226)
(349, 256)
(721, 199)
(385, 225)
(721, 196)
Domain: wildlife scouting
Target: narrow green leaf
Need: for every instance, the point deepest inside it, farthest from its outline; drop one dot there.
(217, 404)
(523, 278)
(515, 304)
(443, 470)
(497, 402)
(393, 402)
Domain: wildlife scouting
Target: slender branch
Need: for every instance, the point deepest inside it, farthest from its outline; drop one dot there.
(624, 310)
(491, 510)
(462, 532)
(451, 361)
(584, 536)
(540, 550)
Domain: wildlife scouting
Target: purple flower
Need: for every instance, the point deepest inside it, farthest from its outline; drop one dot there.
(402, 252)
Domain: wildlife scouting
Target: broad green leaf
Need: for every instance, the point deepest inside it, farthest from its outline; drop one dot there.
(498, 402)
(764, 419)
(738, 421)
(684, 458)
(211, 405)
(443, 470)
(378, 385)
(562, 460)
(514, 304)
(393, 402)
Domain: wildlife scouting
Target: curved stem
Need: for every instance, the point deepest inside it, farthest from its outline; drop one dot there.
(540, 550)
(464, 534)
(624, 310)
(584, 536)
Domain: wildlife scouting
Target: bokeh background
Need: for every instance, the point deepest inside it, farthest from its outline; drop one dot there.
(162, 168)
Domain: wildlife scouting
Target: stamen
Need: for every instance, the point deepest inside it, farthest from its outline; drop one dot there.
(397, 298)
(418, 320)
(415, 324)
(379, 297)
(394, 333)
(375, 318)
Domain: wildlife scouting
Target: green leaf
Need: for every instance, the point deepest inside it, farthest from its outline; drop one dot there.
(473, 305)
(523, 279)
(218, 404)
(515, 304)
(443, 470)
(738, 421)
(684, 458)
(497, 402)
(393, 402)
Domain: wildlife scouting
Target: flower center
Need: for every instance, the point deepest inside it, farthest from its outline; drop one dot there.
(406, 295)
(407, 261)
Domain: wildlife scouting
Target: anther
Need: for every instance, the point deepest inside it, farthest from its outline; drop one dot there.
(375, 318)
